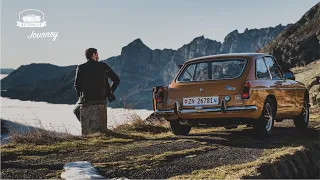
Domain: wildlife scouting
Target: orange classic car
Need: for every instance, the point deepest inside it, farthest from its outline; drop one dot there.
(228, 90)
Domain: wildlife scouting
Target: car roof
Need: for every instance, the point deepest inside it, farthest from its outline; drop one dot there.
(229, 55)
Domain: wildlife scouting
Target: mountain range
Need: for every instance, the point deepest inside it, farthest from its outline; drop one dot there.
(6, 71)
(140, 68)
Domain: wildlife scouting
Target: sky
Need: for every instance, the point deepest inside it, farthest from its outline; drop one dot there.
(109, 25)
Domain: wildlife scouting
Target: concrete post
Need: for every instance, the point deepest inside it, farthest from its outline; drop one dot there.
(93, 118)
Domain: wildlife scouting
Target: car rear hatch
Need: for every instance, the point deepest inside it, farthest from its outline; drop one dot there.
(211, 82)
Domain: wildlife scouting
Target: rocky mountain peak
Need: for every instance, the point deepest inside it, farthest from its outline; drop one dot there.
(234, 32)
(137, 42)
(250, 40)
(200, 38)
(135, 47)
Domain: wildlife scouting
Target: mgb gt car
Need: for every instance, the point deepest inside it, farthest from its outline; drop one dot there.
(228, 90)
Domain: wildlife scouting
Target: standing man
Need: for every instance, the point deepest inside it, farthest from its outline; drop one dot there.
(91, 82)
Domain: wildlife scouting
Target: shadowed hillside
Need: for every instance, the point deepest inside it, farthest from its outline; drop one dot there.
(299, 43)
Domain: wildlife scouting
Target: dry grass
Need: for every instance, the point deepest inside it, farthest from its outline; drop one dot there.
(307, 75)
(139, 125)
(127, 132)
(27, 134)
(40, 137)
(315, 111)
(240, 170)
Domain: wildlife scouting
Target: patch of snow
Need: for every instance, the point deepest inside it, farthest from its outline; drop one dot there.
(80, 170)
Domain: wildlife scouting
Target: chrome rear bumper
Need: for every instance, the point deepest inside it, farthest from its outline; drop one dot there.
(177, 110)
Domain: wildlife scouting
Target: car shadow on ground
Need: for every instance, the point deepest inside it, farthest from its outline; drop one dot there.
(247, 138)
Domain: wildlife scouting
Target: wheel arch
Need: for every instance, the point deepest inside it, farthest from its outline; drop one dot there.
(306, 95)
(274, 101)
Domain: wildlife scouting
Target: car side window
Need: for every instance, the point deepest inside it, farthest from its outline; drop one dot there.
(262, 71)
(187, 73)
(201, 73)
(273, 68)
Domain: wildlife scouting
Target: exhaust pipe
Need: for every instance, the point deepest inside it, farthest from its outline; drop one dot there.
(177, 108)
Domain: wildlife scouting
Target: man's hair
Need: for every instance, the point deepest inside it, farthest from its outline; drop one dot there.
(90, 52)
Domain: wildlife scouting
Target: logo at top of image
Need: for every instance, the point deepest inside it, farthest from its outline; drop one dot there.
(31, 18)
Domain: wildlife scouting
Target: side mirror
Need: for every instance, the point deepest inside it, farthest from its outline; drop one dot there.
(289, 75)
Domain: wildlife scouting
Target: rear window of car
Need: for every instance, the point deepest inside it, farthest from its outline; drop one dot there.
(212, 70)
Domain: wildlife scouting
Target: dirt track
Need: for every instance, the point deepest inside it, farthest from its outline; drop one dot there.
(233, 147)
(159, 156)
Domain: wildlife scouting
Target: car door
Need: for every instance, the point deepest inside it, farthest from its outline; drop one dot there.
(263, 83)
(284, 89)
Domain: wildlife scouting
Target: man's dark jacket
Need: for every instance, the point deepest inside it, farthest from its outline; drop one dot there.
(91, 81)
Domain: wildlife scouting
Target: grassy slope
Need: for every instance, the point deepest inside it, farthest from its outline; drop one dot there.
(206, 153)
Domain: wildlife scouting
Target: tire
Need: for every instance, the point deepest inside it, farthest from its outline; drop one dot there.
(179, 129)
(302, 121)
(263, 126)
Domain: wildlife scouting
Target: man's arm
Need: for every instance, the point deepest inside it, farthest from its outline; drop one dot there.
(77, 82)
(114, 78)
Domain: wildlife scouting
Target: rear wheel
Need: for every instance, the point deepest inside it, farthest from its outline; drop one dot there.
(302, 120)
(265, 124)
(179, 129)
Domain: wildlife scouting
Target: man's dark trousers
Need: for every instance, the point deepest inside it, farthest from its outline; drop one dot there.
(76, 109)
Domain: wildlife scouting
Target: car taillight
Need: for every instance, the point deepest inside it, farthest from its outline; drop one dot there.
(246, 91)
(160, 95)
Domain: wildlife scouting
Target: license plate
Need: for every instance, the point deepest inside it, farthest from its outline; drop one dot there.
(214, 100)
